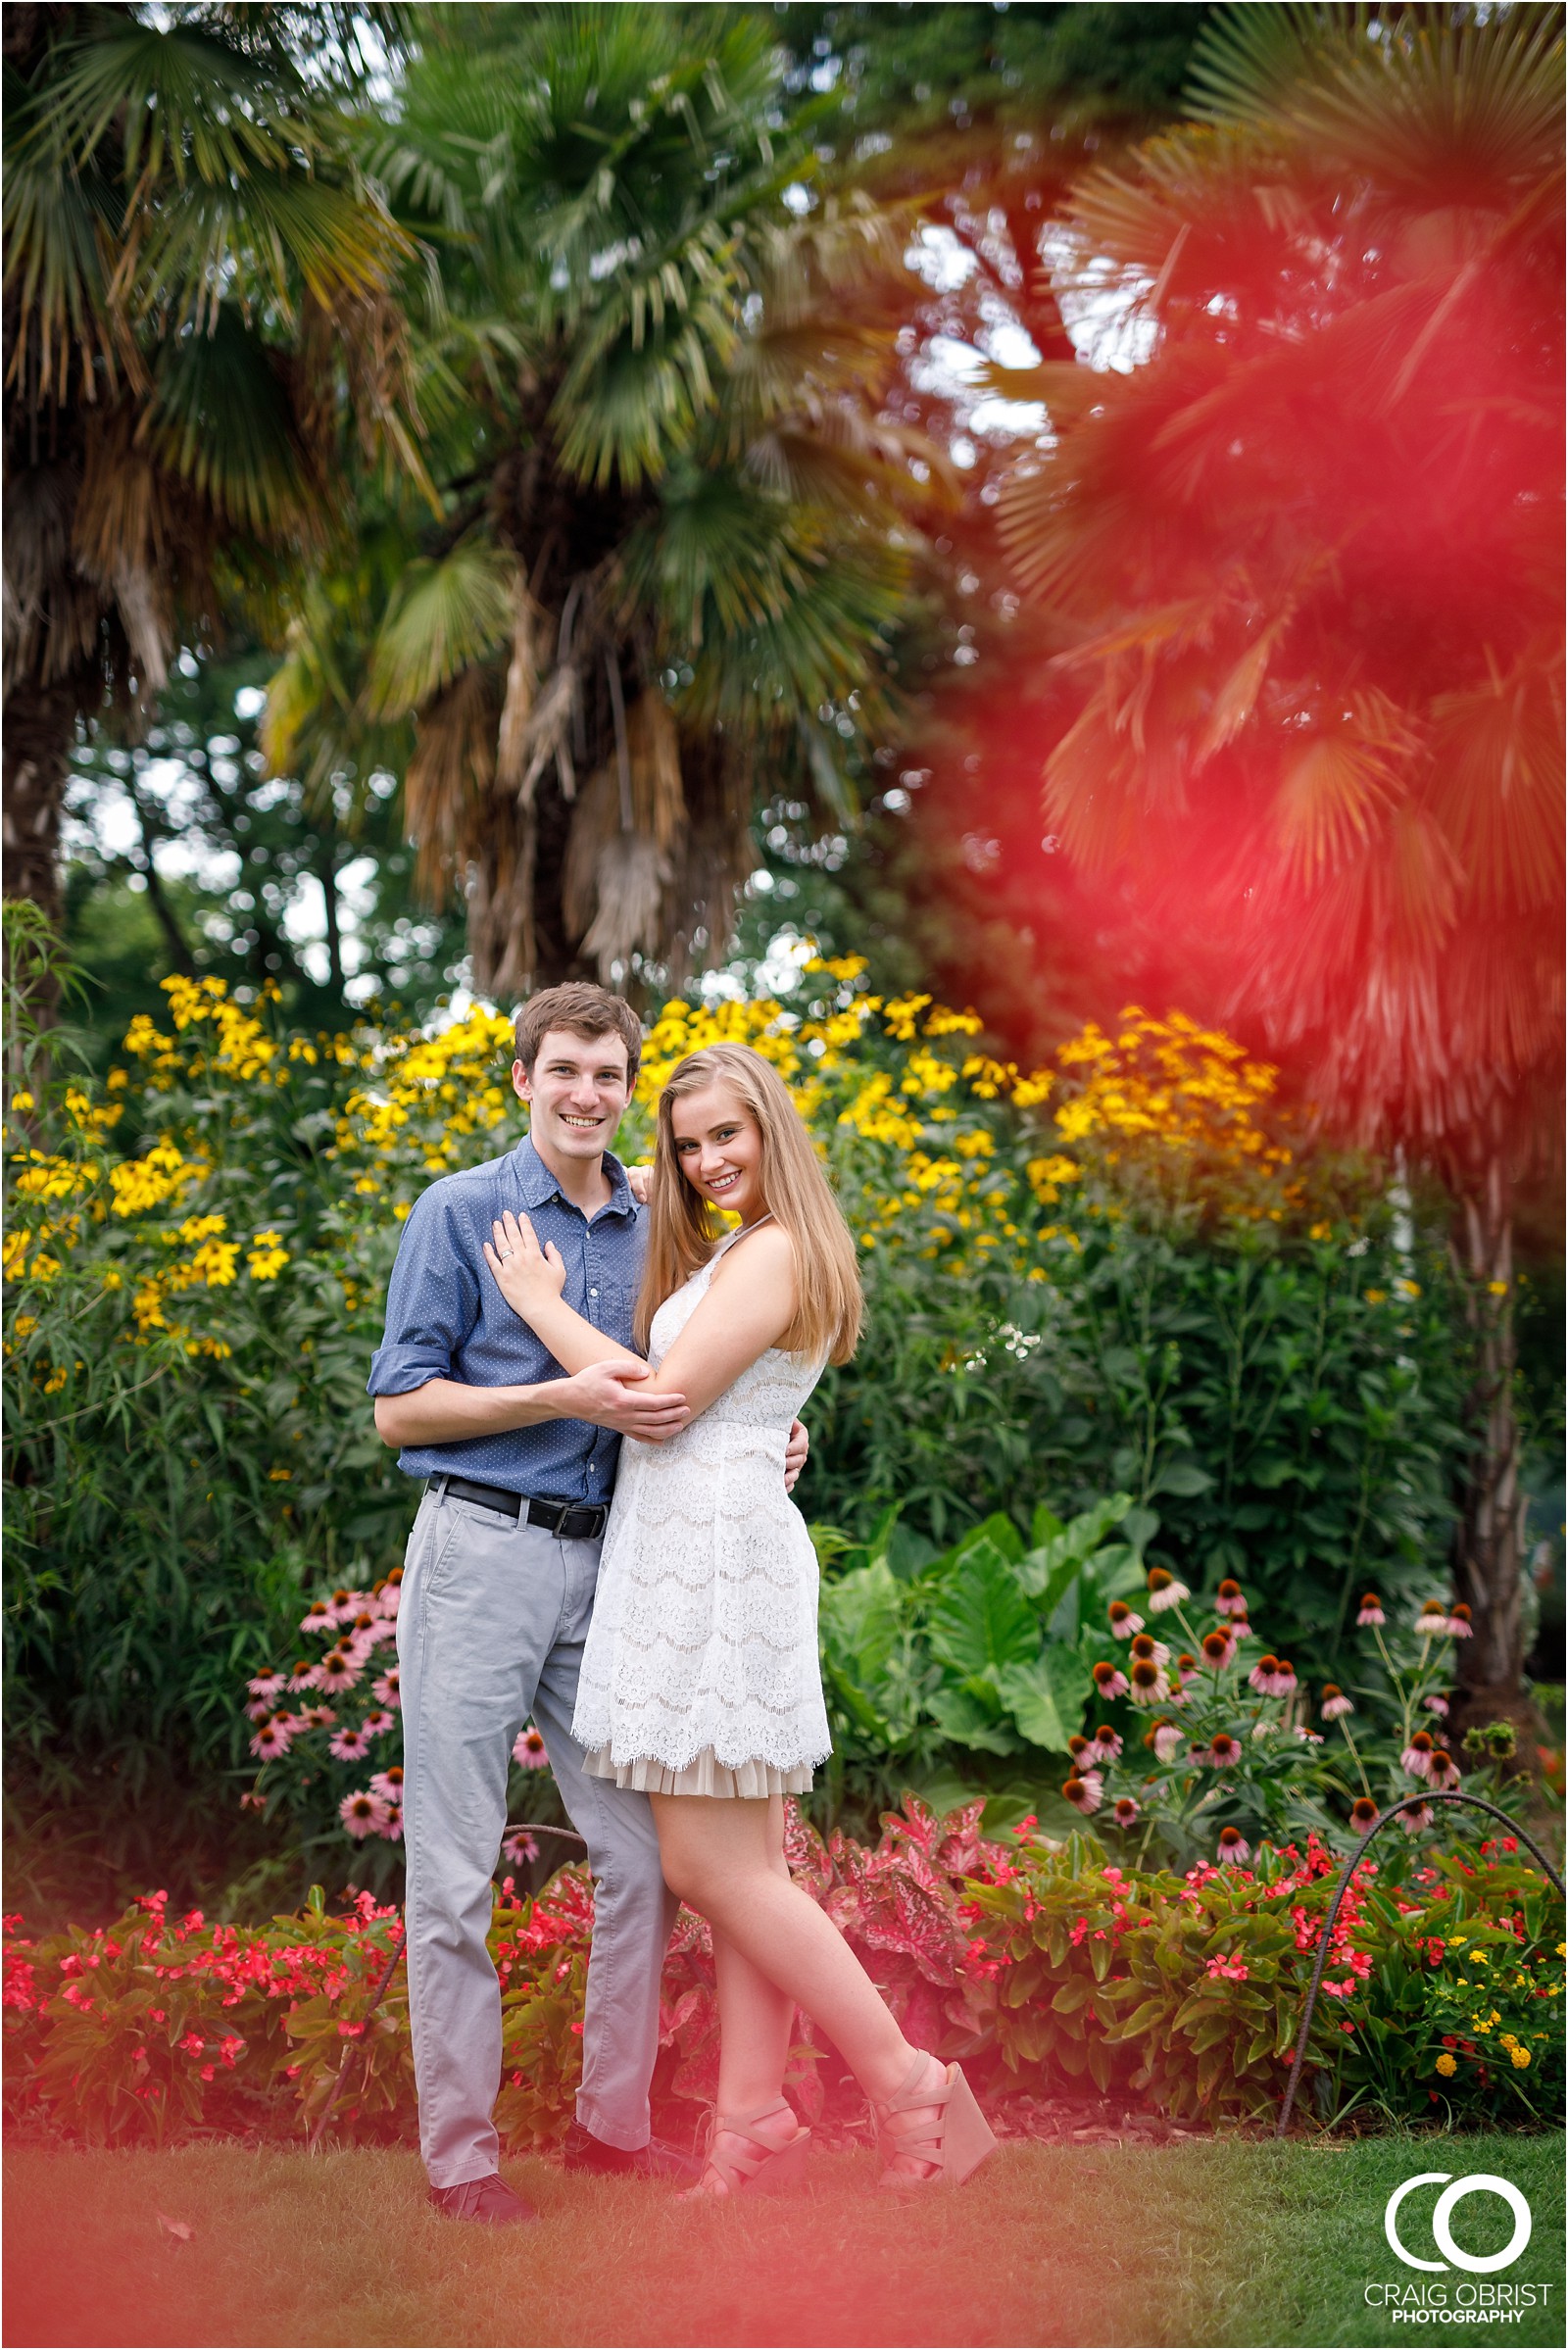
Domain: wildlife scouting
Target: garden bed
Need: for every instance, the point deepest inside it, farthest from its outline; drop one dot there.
(1051, 1973)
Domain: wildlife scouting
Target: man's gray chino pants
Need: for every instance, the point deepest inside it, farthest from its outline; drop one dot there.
(490, 1632)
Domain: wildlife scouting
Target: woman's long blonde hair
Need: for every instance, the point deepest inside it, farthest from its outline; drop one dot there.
(682, 1229)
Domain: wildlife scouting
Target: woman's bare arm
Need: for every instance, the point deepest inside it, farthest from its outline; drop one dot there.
(737, 1321)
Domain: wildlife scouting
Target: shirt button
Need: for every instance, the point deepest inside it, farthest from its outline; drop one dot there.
(593, 1292)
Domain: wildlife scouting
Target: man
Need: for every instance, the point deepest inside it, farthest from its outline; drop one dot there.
(519, 1464)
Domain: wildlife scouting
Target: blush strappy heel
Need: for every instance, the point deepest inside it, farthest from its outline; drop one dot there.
(763, 2169)
(954, 2145)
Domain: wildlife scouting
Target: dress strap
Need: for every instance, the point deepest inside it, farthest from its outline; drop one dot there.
(740, 1234)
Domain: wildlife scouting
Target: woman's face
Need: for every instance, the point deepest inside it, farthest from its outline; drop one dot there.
(719, 1149)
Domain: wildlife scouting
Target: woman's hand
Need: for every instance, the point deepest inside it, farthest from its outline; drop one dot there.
(528, 1277)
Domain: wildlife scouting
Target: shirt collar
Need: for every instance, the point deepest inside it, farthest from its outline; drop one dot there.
(538, 1185)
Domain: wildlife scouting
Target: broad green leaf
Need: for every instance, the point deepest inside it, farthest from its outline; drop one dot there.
(965, 1719)
(1046, 1697)
(980, 1615)
(862, 1617)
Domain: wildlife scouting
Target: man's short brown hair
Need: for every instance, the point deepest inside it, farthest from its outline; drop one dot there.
(581, 1009)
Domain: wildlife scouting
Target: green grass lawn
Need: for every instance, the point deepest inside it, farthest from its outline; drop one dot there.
(1203, 2242)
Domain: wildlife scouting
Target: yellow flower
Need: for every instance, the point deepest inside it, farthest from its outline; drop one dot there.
(1375, 1297)
(1321, 1232)
(1519, 2058)
(1496, 1289)
(268, 1257)
(1447, 2066)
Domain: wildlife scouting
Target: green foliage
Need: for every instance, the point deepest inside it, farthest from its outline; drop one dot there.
(1187, 1992)
(976, 1653)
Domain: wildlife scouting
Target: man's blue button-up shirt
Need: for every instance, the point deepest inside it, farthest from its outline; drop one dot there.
(446, 1318)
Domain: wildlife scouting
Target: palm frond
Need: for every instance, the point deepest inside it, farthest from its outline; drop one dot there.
(446, 614)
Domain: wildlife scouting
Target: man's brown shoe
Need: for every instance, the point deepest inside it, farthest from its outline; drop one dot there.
(490, 2201)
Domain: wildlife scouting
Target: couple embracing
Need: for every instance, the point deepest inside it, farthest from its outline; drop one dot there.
(602, 1400)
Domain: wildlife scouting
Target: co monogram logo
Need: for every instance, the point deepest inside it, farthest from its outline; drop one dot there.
(1478, 2182)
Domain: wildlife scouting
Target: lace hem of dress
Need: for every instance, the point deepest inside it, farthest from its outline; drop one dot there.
(704, 1775)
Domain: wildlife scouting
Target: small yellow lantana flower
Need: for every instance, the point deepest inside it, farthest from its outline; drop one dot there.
(1447, 2066)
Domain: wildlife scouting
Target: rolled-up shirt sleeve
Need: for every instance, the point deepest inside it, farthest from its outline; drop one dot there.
(432, 1302)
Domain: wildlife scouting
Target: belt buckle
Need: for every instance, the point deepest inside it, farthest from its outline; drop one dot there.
(559, 1530)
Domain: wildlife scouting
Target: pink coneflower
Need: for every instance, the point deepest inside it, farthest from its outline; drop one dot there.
(252, 1801)
(1461, 1627)
(1125, 1811)
(1164, 1590)
(1436, 1706)
(1334, 1702)
(1224, 1751)
(1110, 1681)
(303, 1675)
(317, 1617)
(1123, 1623)
(1433, 1621)
(1233, 1846)
(1417, 1756)
(346, 1605)
(1167, 1740)
(1106, 1744)
(274, 1737)
(389, 1688)
(1083, 1790)
(389, 1597)
(1228, 1599)
(1078, 1748)
(520, 1847)
(337, 1670)
(529, 1750)
(317, 1717)
(1219, 1651)
(1444, 1776)
(388, 1783)
(262, 1709)
(1363, 1811)
(350, 1743)
(266, 1685)
(1305, 1737)
(1371, 1609)
(1415, 1817)
(363, 1814)
(378, 1720)
(1284, 1677)
(1147, 1684)
(1186, 1666)
(1261, 1677)
(392, 1826)
(1150, 1650)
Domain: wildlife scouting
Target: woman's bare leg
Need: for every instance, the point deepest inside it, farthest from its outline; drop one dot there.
(755, 2018)
(716, 1856)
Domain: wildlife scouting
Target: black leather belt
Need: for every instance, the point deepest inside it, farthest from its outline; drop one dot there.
(571, 1521)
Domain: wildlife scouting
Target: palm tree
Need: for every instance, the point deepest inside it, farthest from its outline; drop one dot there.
(196, 305)
(674, 545)
(1301, 542)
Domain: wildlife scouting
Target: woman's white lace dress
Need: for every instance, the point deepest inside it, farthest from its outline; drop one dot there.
(699, 1676)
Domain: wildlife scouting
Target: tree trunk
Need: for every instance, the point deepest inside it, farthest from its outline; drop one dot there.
(1488, 1557)
(327, 876)
(41, 729)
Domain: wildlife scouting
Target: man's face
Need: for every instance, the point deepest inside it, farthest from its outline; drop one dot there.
(577, 1093)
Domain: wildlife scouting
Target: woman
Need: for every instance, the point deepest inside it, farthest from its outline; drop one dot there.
(700, 1678)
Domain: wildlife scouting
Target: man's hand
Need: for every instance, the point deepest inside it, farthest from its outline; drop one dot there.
(608, 1395)
(641, 1181)
(795, 1452)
